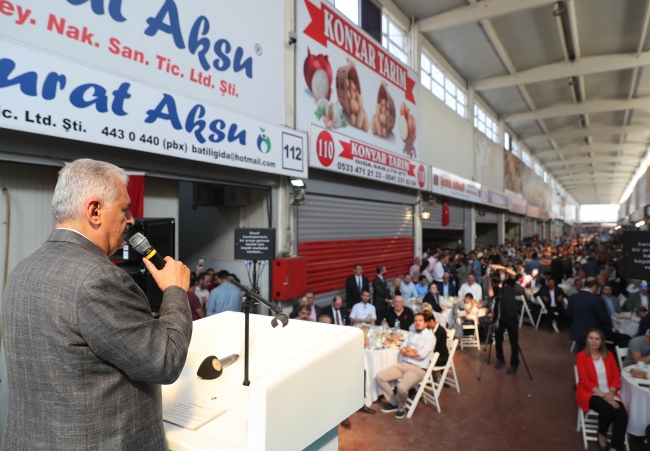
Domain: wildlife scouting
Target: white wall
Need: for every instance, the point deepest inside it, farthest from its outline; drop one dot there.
(446, 139)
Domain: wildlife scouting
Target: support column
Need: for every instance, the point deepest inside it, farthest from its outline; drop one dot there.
(501, 228)
(417, 225)
(469, 233)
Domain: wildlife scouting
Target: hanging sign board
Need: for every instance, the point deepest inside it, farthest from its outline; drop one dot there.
(348, 83)
(335, 152)
(254, 244)
(636, 255)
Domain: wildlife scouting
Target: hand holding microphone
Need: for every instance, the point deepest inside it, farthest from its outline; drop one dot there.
(166, 272)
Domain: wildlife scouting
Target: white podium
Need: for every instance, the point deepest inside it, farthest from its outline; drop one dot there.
(305, 379)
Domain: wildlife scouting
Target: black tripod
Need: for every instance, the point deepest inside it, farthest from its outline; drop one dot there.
(489, 338)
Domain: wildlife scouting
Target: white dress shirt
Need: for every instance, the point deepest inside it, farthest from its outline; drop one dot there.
(360, 311)
(475, 289)
(438, 272)
(552, 293)
(425, 343)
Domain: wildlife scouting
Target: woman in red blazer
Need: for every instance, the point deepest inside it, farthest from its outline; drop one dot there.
(598, 384)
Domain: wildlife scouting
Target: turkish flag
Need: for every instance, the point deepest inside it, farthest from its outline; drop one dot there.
(445, 211)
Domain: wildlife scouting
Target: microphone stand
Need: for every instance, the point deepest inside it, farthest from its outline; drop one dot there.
(250, 297)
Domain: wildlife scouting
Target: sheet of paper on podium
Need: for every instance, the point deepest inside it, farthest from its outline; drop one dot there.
(193, 414)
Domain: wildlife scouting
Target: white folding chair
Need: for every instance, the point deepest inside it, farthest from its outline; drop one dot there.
(588, 422)
(427, 382)
(573, 346)
(621, 353)
(473, 339)
(452, 345)
(525, 311)
(622, 299)
(542, 310)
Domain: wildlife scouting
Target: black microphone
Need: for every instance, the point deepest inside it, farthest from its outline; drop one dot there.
(212, 367)
(140, 244)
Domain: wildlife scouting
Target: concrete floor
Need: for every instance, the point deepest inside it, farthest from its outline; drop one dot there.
(501, 412)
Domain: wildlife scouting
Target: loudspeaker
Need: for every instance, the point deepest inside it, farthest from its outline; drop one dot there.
(161, 233)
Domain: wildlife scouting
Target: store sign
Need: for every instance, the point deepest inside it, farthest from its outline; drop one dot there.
(636, 259)
(532, 211)
(208, 50)
(348, 83)
(335, 152)
(448, 184)
(495, 198)
(40, 93)
(518, 205)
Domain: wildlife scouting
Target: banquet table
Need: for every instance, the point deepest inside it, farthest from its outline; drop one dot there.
(625, 325)
(636, 400)
(375, 360)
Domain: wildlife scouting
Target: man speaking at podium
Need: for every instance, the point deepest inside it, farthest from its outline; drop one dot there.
(84, 355)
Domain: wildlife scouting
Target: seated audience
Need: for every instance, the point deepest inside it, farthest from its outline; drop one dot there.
(471, 287)
(422, 287)
(638, 350)
(337, 313)
(433, 298)
(416, 351)
(324, 319)
(225, 297)
(395, 288)
(304, 312)
(441, 339)
(598, 384)
(446, 288)
(553, 298)
(611, 302)
(576, 287)
(408, 288)
(399, 313)
(315, 310)
(363, 312)
(195, 303)
(644, 324)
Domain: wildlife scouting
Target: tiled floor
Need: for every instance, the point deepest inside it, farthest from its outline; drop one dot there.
(501, 412)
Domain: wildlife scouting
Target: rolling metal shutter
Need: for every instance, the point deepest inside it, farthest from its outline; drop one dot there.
(490, 216)
(456, 216)
(513, 218)
(334, 233)
(529, 228)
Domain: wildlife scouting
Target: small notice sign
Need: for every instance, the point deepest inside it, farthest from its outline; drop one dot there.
(636, 251)
(254, 244)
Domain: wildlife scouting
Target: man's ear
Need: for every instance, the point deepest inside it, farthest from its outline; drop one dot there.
(93, 210)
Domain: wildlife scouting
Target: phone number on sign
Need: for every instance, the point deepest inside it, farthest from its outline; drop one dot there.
(374, 174)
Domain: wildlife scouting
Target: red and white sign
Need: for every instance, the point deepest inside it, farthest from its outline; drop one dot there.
(518, 205)
(335, 152)
(348, 83)
(451, 185)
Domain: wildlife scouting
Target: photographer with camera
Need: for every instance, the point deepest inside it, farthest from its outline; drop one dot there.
(507, 319)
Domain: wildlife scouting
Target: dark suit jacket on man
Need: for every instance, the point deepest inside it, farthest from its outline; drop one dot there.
(345, 317)
(452, 289)
(545, 292)
(588, 312)
(441, 346)
(84, 355)
(352, 293)
(380, 292)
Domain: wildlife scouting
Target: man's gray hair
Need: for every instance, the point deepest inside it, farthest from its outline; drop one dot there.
(85, 179)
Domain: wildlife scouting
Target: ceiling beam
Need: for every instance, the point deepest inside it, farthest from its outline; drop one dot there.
(598, 175)
(593, 131)
(623, 161)
(591, 106)
(593, 147)
(604, 168)
(477, 12)
(566, 69)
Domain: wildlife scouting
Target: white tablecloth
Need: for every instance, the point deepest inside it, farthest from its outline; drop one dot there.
(637, 401)
(373, 362)
(628, 327)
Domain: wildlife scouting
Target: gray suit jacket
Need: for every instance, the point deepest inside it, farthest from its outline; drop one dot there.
(84, 355)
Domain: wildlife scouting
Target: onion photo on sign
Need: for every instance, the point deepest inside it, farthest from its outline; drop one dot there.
(318, 75)
(407, 130)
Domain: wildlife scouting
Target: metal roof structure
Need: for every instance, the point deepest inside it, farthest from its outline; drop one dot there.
(568, 77)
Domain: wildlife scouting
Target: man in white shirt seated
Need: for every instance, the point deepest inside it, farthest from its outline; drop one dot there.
(408, 288)
(363, 312)
(416, 351)
(471, 287)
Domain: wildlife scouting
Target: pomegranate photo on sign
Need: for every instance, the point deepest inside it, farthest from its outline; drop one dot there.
(348, 90)
(318, 75)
